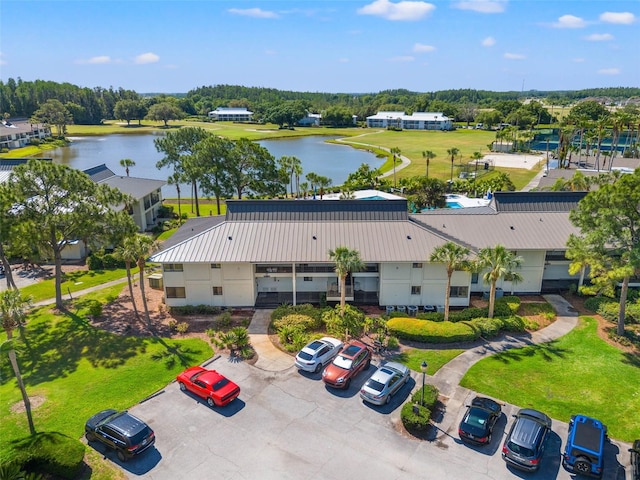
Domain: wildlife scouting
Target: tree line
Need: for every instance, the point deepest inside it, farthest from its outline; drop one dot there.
(90, 106)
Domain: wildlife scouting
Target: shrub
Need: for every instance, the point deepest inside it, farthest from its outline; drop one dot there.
(489, 327)
(298, 321)
(609, 311)
(512, 302)
(94, 262)
(393, 343)
(182, 328)
(223, 320)
(433, 316)
(502, 308)
(303, 309)
(94, 308)
(419, 420)
(173, 324)
(468, 314)
(514, 323)
(165, 211)
(351, 323)
(593, 303)
(195, 310)
(431, 332)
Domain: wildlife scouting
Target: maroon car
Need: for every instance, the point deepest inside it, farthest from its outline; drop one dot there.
(354, 358)
(215, 388)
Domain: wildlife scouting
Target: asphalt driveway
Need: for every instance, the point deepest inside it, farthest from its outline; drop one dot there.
(288, 425)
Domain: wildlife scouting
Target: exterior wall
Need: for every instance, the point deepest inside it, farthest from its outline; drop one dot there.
(74, 251)
(21, 134)
(532, 271)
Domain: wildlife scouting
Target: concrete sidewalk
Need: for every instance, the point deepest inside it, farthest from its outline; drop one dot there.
(269, 357)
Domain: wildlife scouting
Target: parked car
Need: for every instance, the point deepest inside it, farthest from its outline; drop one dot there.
(635, 460)
(384, 383)
(584, 451)
(214, 387)
(355, 357)
(318, 353)
(524, 445)
(120, 431)
(478, 421)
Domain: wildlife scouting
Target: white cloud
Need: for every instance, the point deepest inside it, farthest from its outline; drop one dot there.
(514, 56)
(343, 60)
(482, 6)
(570, 21)
(404, 10)
(253, 12)
(147, 58)
(99, 59)
(599, 37)
(609, 71)
(488, 42)
(624, 18)
(402, 58)
(421, 48)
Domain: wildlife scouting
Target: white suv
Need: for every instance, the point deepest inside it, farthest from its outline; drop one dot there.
(318, 353)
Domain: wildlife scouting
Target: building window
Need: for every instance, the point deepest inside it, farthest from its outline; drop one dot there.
(215, 265)
(176, 292)
(417, 265)
(459, 292)
(474, 278)
(307, 279)
(416, 290)
(172, 267)
(217, 290)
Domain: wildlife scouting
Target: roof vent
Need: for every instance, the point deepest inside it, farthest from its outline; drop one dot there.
(314, 237)
(230, 237)
(511, 227)
(408, 237)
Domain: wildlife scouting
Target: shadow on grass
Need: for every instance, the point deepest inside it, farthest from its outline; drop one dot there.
(174, 354)
(549, 352)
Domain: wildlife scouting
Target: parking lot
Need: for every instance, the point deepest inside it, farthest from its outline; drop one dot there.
(288, 425)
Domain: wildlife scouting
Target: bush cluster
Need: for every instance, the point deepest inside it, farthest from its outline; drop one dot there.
(195, 310)
(593, 303)
(104, 261)
(303, 309)
(415, 416)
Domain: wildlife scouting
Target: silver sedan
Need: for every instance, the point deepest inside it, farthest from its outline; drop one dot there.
(386, 381)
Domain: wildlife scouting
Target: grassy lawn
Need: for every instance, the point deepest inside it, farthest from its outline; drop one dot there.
(74, 282)
(207, 207)
(435, 359)
(578, 373)
(79, 370)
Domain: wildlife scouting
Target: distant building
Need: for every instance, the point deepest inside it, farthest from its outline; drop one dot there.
(224, 114)
(20, 133)
(415, 121)
(311, 120)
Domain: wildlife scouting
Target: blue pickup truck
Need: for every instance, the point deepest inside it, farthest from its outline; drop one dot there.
(584, 452)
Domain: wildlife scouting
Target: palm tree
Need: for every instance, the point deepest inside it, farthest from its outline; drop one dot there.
(454, 257)
(395, 151)
(13, 310)
(126, 163)
(346, 261)
(453, 151)
(139, 247)
(126, 253)
(475, 157)
(428, 155)
(175, 180)
(501, 263)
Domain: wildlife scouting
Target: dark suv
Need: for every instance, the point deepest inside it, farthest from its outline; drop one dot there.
(524, 444)
(584, 452)
(120, 431)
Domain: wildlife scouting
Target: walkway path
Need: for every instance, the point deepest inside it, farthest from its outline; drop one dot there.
(404, 161)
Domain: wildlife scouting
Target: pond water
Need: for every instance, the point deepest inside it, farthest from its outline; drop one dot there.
(327, 159)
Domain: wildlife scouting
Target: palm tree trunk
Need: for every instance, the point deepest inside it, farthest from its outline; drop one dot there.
(133, 300)
(11, 284)
(195, 195)
(343, 293)
(492, 298)
(446, 297)
(144, 297)
(25, 398)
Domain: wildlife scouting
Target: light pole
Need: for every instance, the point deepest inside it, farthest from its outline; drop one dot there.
(423, 367)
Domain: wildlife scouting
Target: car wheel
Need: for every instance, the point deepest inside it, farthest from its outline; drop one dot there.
(367, 365)
(388, 399)
(318, 368)
(121, 456)
(210, 402)
(347, 383)
(182, 386)
(488, 439)
(582, 465)
(90, 436)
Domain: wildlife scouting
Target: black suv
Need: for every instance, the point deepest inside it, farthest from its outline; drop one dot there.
(524, 444)
(635, 460)
(584, 452)
(120, 431)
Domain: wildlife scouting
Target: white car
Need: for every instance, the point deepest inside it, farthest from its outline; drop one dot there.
(318, 353)
(386, 381)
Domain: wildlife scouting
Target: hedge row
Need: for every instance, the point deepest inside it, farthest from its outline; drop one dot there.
(428, 331)
(104, 261)
(608, 308)
(196, 310)
(504, 307)
(303, 309)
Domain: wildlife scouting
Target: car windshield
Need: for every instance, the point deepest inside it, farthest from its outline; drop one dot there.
(374, 385)
(343, 362)
(305, 356)
(520, 450)
(477, 417)
(219, 384)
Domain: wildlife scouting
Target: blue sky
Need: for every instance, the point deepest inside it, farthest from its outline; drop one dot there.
(344, 46)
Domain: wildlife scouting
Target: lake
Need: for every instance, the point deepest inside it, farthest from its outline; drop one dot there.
(317, 156)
